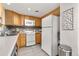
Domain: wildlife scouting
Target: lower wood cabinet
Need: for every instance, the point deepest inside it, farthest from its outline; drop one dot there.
(38, 37)
(21, 42)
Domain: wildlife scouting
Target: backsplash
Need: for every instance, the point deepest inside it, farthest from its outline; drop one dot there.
(18, 29)
(13, 29)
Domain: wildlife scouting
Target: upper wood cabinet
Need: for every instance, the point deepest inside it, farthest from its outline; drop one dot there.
(38, 22)
(12, 18)
(56, 12)
(9, 17)
(16, 19)
(22, 18)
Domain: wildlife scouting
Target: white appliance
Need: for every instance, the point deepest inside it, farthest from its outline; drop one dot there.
(29, 22)
(30, 38)
(49, 35)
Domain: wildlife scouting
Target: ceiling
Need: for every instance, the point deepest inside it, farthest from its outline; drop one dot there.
(22, 8)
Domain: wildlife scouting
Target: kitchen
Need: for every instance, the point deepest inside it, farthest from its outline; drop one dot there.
(22, 30)
(38, 29)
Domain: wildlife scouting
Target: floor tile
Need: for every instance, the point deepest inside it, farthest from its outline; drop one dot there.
(31, 51)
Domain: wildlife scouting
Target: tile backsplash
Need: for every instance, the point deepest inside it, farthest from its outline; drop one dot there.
(17, 29)
(10, 30)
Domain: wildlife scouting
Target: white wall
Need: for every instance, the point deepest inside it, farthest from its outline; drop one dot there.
(68, 37)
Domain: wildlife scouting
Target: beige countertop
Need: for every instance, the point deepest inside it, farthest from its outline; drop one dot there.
(7, 44)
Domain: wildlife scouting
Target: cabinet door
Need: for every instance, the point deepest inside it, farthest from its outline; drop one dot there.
(38, 38)
(9, 17)
(16, 19)
(23, 41)
(22, 18)
(38, 22)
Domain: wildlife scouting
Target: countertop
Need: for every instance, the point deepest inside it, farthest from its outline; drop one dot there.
(7, 44)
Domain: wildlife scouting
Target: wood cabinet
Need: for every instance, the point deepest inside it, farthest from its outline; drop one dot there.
(21, 40)
(22, 18)
(16, 19)
(38, 37)
(56, 12)
(12, 18)
(38, 22)
(9, 17)
(36, 19)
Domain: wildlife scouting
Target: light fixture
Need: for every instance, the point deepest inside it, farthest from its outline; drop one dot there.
(8, 3)
(29, 9)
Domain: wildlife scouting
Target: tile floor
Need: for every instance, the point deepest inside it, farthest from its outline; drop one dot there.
(31, 51)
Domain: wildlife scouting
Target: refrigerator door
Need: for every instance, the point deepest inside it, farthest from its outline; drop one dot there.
(46, 40)
(55, 37)
(47, 21)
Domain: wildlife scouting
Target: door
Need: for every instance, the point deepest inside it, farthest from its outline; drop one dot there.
(55, 37)
(47, 21)
(46, 40)
(38, 37)
(9, 17)
(38, 22)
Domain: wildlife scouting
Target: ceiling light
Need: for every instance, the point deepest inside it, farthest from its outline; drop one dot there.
(8, 3)
(29, 9)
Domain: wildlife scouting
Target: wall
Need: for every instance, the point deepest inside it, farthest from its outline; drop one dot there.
(68, 37)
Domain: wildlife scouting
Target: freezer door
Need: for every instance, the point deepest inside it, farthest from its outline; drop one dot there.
(46, 40)
(47, 21)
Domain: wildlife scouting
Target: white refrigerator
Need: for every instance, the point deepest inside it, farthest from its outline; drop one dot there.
(49, 35)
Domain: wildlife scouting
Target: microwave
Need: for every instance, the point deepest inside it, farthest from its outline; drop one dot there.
(29, 22)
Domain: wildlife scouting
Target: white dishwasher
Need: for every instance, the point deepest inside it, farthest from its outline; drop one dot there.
(30, 38)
